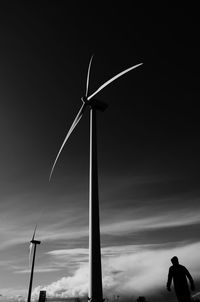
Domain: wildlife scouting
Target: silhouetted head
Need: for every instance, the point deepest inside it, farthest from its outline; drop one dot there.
(174, 260)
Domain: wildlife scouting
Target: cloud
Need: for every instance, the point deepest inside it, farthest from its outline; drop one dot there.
(15, 234)
(158, 221)
(72, 286)
(38, 270)
(129, 270)
(16, 296)
(127, 216)
(68, 252)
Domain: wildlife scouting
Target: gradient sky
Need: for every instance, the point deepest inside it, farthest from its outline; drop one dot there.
(148, 139)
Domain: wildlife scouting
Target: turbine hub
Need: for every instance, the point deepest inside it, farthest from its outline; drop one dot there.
(84, 99)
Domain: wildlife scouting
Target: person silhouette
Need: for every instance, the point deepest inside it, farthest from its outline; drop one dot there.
(180, 274)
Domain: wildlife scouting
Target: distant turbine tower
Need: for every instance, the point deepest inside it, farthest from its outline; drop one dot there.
(95, 279)
(33, 243)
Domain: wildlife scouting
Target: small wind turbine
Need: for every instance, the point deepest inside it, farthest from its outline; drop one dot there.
(33, 244)
(95, 279)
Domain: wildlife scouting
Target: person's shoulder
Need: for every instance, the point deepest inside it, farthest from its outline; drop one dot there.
(182, 267)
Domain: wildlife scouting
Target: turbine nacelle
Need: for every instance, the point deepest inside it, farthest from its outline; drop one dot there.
(94, 103)
(35, 241)
(99, 105)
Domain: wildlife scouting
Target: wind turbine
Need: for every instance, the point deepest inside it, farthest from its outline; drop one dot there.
(95, 293)
(33, 244)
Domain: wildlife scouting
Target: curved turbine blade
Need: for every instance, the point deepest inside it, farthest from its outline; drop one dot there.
(88, 76)
(74, 124)
(113, 79)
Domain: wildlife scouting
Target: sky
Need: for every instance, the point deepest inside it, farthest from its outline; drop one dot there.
(148, 146)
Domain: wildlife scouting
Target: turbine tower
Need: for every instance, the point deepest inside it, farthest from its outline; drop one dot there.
(33, 244)
(95, 293)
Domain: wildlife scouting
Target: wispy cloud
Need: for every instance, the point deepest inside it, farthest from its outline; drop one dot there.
(166, 220)
(69, 221)
(38, 270)
(122, 222)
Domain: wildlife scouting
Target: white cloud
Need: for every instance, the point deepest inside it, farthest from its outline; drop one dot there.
(18, 295)
(73, 286)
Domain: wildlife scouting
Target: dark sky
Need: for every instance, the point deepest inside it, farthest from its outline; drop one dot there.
(45, 51)
(148, 138)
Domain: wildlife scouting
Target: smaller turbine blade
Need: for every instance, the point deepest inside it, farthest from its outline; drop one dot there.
(113, 79)
(34, 232)
(30, 252)
(88, 76)
(31, 245)
(74, 124)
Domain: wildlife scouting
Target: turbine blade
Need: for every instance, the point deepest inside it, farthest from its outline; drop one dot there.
(88, 76)
(113, 79)
(31, 245)
(74, 124)
(34, 232)
(30, 253)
